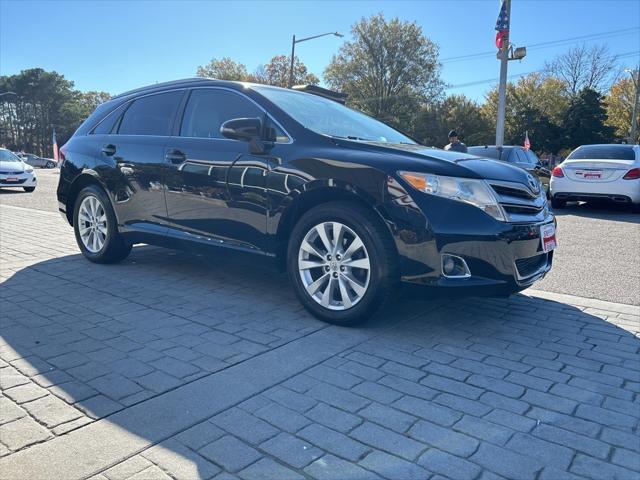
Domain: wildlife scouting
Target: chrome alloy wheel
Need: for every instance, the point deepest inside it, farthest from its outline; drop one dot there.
(334, 266)
(92, 225)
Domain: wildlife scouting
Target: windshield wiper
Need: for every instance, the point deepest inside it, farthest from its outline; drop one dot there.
(354, 137)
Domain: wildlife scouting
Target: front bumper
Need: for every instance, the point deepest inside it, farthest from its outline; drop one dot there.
(502, 258)
(18, 179)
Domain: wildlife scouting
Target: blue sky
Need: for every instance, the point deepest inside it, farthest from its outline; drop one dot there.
(116, 45)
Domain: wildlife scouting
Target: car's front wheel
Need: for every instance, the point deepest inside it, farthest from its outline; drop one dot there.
(342, 262)
(96, 229)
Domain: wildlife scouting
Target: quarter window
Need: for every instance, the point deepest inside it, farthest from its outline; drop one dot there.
(107, 125)
(208, 109)
(152, 115)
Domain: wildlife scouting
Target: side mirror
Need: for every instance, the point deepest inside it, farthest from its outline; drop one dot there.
(246, 130)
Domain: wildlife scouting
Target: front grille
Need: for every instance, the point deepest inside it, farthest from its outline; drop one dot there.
(529, 266)
(509, 191)
(4, 182)
(520, 203)
(11, 173)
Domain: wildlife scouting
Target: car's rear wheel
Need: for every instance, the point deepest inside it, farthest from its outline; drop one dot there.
(342, 262)
(556, 203)
(96, 228)
(29, 189)
(50, 165)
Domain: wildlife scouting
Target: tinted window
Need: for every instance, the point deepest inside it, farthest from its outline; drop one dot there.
(533, 158)
(520, 156)
(152, 115)
(208, 109)
(108, 124)
(603, 152)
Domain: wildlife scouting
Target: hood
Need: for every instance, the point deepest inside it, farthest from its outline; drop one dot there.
(446, 162)
(13, 167)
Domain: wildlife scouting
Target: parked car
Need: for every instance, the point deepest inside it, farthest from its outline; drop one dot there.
(348, 205)
(15, 173)
(517, 156)
(36, 161)
(598, 172)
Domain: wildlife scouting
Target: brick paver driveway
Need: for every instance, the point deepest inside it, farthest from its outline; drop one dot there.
(172, 365)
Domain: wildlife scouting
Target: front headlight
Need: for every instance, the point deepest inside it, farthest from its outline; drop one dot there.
(469, 190)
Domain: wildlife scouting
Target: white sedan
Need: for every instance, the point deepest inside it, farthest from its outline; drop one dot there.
(593, 172)
(15, 173)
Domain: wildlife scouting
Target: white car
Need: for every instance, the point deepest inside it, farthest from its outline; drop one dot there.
(15, 173)
(593, 172)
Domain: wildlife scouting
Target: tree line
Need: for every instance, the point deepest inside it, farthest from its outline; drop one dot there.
(391, 71)
(34, 103)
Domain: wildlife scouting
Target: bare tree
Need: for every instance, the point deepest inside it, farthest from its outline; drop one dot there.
(584, 67)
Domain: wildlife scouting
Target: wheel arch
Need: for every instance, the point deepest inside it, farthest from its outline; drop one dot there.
(86, 178)
(304, 201)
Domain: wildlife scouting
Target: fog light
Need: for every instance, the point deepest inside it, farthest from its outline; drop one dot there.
(454, 267)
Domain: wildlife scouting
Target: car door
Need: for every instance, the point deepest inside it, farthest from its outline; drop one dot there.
(216, 190)
(137, 148)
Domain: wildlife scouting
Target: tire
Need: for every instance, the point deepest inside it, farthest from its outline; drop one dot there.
(49, 165)
(106, 245)
(29, 189)
(555, 203)
(354, 293)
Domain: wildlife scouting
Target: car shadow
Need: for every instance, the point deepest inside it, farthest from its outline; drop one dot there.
(600, 210)
(11, 190)
(102, 338)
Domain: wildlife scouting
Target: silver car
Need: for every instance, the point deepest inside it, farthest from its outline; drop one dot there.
(36, 161)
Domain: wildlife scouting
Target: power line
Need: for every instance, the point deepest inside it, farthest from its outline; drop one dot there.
(547, 44)
(516, 75)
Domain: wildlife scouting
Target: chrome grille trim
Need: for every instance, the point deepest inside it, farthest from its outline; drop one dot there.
(519, 202)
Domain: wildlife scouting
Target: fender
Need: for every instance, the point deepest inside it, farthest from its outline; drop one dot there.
(87, 176)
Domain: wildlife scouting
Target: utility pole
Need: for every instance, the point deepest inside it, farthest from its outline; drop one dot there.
(635, 76)
(293, 53)
(502, 87)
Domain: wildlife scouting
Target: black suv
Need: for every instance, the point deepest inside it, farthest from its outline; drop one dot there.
(348, 205)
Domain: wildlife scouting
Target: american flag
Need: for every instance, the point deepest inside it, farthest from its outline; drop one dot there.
(527, 143)
(55, 145)
(502, 25)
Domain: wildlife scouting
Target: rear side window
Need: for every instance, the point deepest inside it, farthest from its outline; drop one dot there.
(208, 109)
(533, 158)
(108, 125)
(603, 152)
(151, 115)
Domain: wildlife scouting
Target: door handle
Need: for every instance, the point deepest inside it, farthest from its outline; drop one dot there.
(109, 150)
(175, 156)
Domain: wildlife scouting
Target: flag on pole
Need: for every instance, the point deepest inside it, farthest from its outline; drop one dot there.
(527, 143)
(502, 25)
(55, 145)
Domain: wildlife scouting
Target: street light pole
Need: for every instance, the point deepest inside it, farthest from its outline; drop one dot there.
(293, 50)
(502, 87)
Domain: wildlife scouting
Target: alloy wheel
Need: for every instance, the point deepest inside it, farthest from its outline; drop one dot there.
(334, 265)
(92, 225)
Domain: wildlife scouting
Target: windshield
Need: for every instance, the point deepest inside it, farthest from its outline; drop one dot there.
(331, 118)
(7, 156)
(603, 152)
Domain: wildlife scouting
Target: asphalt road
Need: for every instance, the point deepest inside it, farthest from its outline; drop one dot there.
(597, 256)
